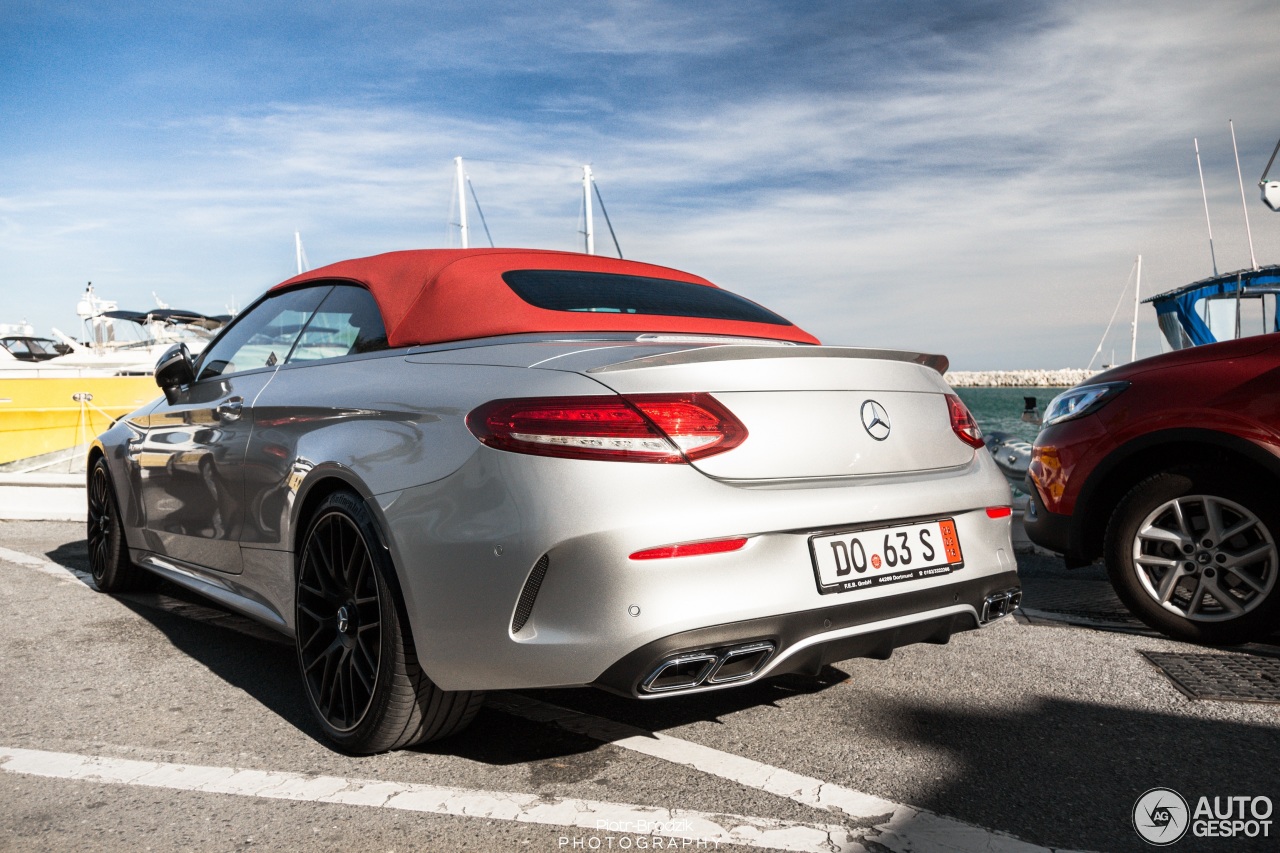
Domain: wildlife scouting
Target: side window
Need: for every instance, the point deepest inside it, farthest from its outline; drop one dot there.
(264, 336)
(347, 322)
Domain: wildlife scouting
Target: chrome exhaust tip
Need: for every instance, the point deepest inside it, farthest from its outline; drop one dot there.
(1000, 604)
(705, 668)
(681, 672)
(741, 662)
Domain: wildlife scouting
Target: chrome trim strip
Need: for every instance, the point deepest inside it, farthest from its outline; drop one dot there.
(219, 592)
(909, 619)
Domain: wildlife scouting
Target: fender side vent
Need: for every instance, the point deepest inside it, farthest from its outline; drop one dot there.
(524, 607)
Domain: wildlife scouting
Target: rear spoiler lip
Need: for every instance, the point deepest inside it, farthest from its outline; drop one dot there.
(731, 352)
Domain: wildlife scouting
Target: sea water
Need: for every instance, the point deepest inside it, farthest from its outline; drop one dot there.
(1000, 409)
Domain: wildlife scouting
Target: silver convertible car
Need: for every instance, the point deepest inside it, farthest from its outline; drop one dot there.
(445, 472)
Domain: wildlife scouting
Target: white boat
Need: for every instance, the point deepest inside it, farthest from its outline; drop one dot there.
(116, 342)
(53, 406)
(1224, 306)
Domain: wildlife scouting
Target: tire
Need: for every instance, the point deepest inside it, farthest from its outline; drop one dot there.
(355, 652)
(1169, 566)
(108, 552)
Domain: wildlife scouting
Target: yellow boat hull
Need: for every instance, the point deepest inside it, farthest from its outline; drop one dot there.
(47, 414)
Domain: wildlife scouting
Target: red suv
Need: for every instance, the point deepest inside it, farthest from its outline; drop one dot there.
(1169, 469)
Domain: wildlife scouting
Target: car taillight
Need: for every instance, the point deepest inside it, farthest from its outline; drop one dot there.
(962, 423)
(637, 428)
(697, 423)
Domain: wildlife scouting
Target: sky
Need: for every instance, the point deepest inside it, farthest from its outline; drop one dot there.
(974, 179)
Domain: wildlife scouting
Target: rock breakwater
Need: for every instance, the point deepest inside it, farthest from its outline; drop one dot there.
(1061, 378)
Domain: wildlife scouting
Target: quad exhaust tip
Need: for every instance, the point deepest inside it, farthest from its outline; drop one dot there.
(1000, 604)
(710, 667)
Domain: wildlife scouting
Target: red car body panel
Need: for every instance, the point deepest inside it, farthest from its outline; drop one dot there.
(1224, 395)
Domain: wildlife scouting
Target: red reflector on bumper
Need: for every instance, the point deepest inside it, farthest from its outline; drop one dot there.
(999, 511)
(690, 549)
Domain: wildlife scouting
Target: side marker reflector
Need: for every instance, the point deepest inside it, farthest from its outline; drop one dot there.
(691, 549)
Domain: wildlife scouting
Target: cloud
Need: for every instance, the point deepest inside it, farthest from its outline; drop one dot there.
(971, 182)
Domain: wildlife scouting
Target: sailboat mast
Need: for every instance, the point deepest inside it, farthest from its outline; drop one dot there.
(1205, 196)
(1137, 290)
(297, 250)
(462, 200)
(586, 200)
(1247, 230)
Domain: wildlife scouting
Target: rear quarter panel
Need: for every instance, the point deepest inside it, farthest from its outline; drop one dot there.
(381, 424)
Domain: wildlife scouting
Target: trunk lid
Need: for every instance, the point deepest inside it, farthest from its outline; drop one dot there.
(803, 407)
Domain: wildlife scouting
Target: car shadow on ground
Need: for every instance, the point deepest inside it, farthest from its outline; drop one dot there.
(264, 665)
(72, 555)
(1056, 772)
(1074, 770)
(1071, 771)
(499, 738)
(266, 670)
(234, 649)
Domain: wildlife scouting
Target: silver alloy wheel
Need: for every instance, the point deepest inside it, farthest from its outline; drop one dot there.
(1205, 558)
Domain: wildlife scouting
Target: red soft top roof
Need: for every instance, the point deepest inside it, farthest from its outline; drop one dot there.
(434, 295)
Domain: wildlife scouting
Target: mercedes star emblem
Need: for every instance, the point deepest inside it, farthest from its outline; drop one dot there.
(876, 420)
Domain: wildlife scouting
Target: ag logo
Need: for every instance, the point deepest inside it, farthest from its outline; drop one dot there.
(1160, 816)
(876, 420)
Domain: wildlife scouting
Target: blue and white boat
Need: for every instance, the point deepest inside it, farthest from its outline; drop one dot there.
(1220, 308)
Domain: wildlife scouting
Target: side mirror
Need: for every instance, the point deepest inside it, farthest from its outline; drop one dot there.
(174, 370)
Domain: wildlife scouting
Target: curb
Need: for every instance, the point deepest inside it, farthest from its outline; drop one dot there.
(42, 497)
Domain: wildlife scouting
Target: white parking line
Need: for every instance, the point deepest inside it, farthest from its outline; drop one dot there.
(49, 568)
(892, 825)
(601, 819)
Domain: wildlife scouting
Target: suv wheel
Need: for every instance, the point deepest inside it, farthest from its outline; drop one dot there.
(1192, 552)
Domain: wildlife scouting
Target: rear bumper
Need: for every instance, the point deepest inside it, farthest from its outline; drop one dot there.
(804, 642)
(515, 570)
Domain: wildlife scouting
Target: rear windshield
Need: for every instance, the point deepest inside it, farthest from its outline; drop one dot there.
(606, 293)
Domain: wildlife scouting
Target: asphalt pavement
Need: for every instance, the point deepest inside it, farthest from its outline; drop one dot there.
(157, 721)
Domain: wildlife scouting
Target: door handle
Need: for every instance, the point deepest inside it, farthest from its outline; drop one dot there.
(229, 410)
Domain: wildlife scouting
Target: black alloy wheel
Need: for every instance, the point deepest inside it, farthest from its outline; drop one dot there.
(1193, 553)
(339, 620)
(108, 553)
(357, 657)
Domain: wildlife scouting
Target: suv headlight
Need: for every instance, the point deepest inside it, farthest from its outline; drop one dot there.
(1080, 401)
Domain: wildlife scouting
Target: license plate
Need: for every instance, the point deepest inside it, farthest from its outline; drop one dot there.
(863, 559)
